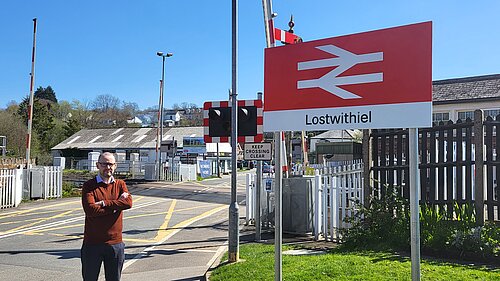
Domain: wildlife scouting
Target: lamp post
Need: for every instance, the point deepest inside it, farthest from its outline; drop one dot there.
(159, 136)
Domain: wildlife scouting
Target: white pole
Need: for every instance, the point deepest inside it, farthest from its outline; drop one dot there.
(30, 113)
(414, 205)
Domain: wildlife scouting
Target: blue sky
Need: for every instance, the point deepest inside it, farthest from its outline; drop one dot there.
(89, 48)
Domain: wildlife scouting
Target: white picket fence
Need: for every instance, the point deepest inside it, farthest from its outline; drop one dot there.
(341, 187)
(11, 193)
(336, 191)
(49, 184)
(52, 185)
(178, 172)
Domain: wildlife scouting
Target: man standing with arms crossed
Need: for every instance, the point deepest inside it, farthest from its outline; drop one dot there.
(103, 199)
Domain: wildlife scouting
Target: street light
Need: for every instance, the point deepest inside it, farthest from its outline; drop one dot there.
(159, 137)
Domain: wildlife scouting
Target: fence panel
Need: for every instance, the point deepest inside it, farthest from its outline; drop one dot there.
(447, 164)
(53, 182)
(492, 164)
(341, 190)
(6, 188)
(10, 188)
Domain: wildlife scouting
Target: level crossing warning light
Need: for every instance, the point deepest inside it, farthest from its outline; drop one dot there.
(217, 121)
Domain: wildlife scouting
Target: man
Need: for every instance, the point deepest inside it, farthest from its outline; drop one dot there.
(103, 199)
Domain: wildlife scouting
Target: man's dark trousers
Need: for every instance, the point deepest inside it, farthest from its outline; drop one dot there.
(92, 256)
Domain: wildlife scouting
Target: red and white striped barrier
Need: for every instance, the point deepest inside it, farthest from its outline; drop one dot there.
(241, 139)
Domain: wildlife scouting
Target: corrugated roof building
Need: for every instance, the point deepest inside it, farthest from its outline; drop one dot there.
(122, 139)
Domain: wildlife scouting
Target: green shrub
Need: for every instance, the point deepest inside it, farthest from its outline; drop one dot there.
(70, 189)
(385, 223)
(444, 231)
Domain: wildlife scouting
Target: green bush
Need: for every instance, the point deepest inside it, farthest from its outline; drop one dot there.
(444, 231)
(70, 189)
(384, 223)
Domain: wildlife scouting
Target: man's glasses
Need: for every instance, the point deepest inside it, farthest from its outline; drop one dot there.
(107, 164)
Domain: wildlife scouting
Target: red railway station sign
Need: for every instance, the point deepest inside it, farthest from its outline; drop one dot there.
(375, 79)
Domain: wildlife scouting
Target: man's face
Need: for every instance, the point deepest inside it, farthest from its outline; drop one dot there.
(106, 166)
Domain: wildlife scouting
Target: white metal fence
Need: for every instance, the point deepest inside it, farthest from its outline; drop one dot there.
(337, 189)
(45, 182)
(340, 188)
(178, 172)
(10, 188)
(52, 186)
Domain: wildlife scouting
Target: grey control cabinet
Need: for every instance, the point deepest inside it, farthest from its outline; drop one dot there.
(298, 205)
(37, 180)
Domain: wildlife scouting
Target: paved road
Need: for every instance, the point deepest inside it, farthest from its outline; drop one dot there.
(173, 232)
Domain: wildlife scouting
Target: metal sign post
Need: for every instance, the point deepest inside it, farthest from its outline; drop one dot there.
(258, 194)
(234, 232)
(278, 236)
(414, 205)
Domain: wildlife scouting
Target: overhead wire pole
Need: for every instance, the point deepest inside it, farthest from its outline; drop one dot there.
(30, 110)
(234, 232)
(278, 236)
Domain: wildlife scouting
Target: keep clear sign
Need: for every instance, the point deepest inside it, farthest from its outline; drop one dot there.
(257, 151)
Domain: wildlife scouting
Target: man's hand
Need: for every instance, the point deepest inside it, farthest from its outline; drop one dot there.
(124, 195)
(100, 203)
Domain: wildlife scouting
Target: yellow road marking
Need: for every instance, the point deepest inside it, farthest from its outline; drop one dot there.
(36, 209)
(174, 229)
(38, 213)
(162, 233)
(37, 222)
(162, 229)
(57, 228)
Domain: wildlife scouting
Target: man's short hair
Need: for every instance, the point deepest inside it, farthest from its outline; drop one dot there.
(104, 154)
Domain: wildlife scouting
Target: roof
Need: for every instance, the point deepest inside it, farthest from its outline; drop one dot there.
(468, 88)
(125, 138)
(336, 134)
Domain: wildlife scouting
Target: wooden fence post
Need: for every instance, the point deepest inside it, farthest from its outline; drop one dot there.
(479, 166)
(367, 165)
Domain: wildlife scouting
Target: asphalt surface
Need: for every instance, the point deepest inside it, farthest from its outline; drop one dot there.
(173, 232)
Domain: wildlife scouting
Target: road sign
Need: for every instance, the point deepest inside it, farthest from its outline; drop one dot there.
(257, 151)
(217, 121)
(376, 79)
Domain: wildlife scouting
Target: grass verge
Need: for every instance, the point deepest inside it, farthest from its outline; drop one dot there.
(337, 264)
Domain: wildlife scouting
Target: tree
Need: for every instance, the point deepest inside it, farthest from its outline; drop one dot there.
(42, 122)
(12, 107)
(130, 108)
(46, 94)
(13, 128)
(62, 110)
(71, 126)
(104, 103)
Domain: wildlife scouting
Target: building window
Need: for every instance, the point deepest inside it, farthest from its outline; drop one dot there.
(440, 116)
(491, 112)
(466, 114)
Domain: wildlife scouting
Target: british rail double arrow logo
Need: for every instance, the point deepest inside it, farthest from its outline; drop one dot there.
(343, 61)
